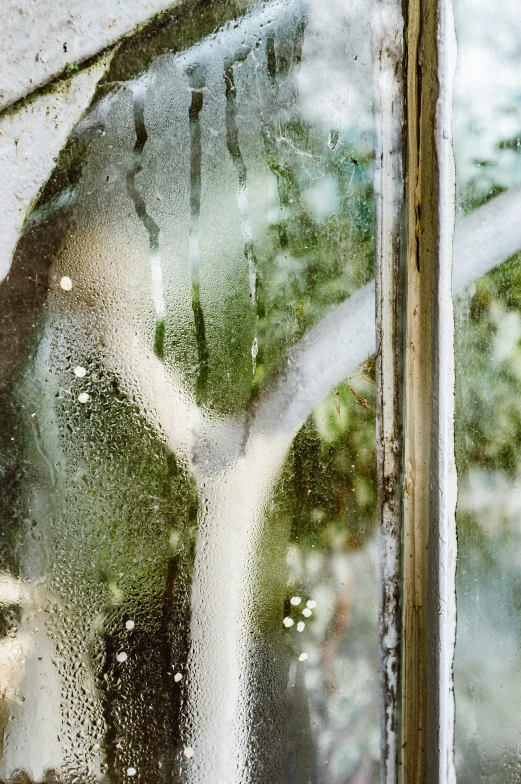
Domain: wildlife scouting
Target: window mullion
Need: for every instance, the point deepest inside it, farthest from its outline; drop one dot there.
(416, 389)
(389, 104)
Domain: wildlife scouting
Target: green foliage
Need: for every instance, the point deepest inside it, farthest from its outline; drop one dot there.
(329, 480)
(316, 260)
(489, 372)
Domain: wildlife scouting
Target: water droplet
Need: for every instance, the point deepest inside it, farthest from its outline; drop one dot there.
(333, 137)
(84, 397)
(303, 657)
(66, 283)
(288, 622)
(80, 371)
(129, 625)
(301, 626)
(189, 752)
(295, 600)
(122, 656)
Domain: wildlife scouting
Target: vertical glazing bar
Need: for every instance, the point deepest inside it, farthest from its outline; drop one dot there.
(416, 387)
(428, 619)
(443, 480)
(390, 241)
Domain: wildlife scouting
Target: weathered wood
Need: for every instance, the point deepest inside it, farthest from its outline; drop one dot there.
(416, 392)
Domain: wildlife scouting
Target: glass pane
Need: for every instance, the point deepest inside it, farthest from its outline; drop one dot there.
(488, 334)
(189, 587)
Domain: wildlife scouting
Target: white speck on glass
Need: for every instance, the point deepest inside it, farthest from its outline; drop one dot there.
(178, 677)
(80, 371)
(311, 603)
(84, 397)
(129, 625)
(295, 600)
(66, 283)
(306, 612)
(131, 771)
(301, 626)
(189, 752)
(288, 622)
(122, 656)
(303, 657)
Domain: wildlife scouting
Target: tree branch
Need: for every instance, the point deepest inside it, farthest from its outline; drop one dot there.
(345, 338)
(330, 352)
(326, 355)
(160, 393)
(486, 238)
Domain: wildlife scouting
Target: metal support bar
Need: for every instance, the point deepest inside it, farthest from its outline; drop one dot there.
(416, 386)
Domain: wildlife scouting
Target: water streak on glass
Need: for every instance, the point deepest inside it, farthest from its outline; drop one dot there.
(488, 421)
(189, 565)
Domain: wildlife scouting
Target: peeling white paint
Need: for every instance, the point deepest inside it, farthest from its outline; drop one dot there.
(389, 85)
(444, 475)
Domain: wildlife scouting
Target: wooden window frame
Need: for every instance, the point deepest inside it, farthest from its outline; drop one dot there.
(414, 46)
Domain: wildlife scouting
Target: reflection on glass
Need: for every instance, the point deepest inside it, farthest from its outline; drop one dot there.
(488, 423)
(188, 585)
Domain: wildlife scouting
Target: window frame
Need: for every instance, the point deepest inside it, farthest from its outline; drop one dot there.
(414, 55)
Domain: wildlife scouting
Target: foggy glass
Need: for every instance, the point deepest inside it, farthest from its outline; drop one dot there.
(188, 524)
(487, 127)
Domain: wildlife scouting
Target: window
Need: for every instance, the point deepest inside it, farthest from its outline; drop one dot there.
(486, 130)
(229, 503)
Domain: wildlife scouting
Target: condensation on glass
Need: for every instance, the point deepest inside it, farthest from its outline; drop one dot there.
(488, 394)
(188, 584)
